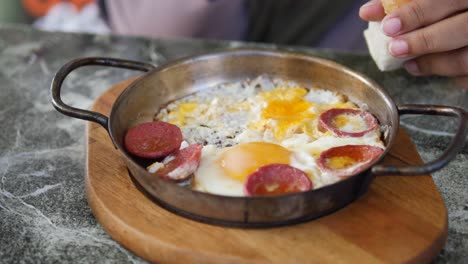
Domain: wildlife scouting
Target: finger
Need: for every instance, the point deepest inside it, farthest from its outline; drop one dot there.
(448, 34)
(372, 11)
(420, 13)
(452, 63)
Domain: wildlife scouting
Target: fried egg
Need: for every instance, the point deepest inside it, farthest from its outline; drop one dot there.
(224, 171)
(246, 125)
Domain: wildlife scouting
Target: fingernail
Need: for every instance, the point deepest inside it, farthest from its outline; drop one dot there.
(391, 25)
(398, 47)
(412, 67)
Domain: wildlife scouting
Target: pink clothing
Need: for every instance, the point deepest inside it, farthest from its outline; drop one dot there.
(219, 19)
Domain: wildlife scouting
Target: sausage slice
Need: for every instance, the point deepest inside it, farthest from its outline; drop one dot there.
(347, 122)
(153, 140)
(347, 160)
(181, 165)
(277, 179)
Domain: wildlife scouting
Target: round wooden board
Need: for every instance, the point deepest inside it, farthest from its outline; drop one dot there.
(400, 219)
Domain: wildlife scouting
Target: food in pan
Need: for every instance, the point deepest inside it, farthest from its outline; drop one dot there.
(262, 137)
(347, 160)
(347, 122)
(378, 42)
(277, 179)
(153, 140)
(180, 165)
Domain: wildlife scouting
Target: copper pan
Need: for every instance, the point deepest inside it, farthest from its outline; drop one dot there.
(160, 85)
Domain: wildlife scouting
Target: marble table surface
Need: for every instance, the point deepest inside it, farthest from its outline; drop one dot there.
(44, 214)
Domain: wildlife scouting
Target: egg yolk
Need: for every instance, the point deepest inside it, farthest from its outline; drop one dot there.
(290, 116)
(242, 160)
(180, 116)
(290, 111)
(283, 94)
(341, 162)
(287, 110)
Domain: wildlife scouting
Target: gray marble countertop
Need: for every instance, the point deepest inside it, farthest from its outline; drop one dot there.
(44, 215)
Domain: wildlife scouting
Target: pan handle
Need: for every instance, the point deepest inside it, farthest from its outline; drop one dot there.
(60, 76)
(455, 146)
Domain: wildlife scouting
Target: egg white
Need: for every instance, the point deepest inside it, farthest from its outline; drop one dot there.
(353, 123)
(329, 141)
(224, 116)
(211, 178)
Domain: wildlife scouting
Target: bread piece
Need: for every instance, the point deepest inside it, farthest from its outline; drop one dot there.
(377, 41)
(392, 5)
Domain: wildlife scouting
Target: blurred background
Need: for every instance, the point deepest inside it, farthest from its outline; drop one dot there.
(318, 23)
(12, 11)
(26, 11)
(55, 15)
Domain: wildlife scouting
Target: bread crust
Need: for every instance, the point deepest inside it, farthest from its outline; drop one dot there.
(392, 5)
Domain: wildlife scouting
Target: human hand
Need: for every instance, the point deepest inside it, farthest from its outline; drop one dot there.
(434, 31)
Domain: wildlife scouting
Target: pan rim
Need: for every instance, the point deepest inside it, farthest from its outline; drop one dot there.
(369, 83)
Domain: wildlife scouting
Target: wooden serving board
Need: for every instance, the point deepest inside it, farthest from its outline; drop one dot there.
(402, 219)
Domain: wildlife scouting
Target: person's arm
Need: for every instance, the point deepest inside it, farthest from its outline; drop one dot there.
(436, 31)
